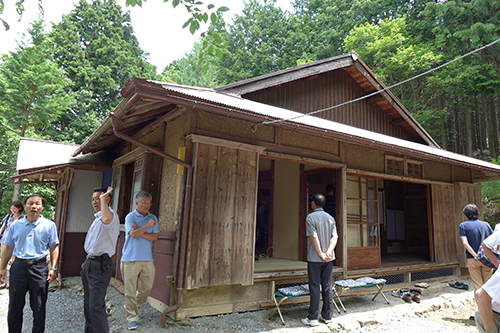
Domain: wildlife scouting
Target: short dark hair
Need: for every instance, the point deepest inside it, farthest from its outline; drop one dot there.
(318, 199)
(18, 204)
(471, 211)
(329, 188)
(103, 190)
(34, 195)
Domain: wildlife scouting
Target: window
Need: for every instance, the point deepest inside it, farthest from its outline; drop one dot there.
(394, 165)
(414, 169)
(362, 215)
(117, 174)
(402, 166)
(137, 182)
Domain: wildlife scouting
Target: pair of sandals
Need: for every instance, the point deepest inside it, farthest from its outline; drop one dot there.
(406, 295)
(459, 285)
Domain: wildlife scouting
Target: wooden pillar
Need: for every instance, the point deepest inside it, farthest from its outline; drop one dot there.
(342, 224)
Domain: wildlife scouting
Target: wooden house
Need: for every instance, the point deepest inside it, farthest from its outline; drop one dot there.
(231, 170)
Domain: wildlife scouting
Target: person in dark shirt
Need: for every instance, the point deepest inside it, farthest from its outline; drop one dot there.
(331, 202)
(472, 234)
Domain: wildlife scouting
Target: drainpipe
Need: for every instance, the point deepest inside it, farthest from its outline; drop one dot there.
(62, 234)
(115, 122)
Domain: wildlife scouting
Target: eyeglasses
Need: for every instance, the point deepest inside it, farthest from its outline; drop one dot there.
(145, 204)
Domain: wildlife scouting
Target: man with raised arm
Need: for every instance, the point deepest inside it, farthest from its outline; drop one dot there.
(97, 269)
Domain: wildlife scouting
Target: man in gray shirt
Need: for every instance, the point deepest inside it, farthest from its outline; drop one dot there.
(321, 241)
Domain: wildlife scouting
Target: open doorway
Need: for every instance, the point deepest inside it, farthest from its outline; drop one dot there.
(264, 218)
(404, 222)
(317, 180)
(282, 205)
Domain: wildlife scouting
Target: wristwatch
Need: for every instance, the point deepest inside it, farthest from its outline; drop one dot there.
(54, 269)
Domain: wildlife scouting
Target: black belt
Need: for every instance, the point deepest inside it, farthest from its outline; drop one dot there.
(32, 261)
(96, 258)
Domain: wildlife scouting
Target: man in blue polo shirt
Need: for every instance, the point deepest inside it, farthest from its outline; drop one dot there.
(30, 240)
(138, 269)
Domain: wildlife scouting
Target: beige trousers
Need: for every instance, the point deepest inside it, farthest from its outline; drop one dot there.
(479, 273)
(480, 325)
(138, 277)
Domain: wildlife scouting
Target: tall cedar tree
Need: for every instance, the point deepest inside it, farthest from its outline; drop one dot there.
(32, 93)
(96, 46)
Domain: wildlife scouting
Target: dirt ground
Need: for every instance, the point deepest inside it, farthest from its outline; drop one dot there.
(442, 310)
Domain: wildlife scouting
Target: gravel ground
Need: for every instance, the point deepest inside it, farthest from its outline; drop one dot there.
(447, 311)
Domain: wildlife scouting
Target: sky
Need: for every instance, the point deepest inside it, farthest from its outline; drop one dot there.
(157, 26)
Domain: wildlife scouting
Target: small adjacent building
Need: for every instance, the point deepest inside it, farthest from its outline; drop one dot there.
(73, 178)
(231, 170)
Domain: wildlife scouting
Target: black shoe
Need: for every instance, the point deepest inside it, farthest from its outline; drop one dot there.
(459, 285)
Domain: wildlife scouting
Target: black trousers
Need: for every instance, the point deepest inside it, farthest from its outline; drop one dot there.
(320, 273)
(95, 279)
(23, 278)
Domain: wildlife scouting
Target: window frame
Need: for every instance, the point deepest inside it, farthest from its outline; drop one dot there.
(363, 200)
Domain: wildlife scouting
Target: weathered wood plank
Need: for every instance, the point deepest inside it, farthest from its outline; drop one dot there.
(222, 230)
(362, 257)
(244, 232)
(225, 143)
(224, 211)
(465, 193)
(444, 228)
(198, 258)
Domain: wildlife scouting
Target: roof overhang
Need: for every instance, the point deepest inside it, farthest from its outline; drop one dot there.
(44, 161)
(147, 103)
(35, 153)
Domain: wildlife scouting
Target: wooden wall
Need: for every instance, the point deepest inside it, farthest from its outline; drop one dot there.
(445, 230)
(326, 90)
(222, 221)
(465, 193)
(172, 184)
(286, 210)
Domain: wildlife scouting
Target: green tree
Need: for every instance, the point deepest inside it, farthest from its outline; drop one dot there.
(32, 88)
(33, 94)
(255, 43)
(395, 56)
(458, 27)
(97, 47)
(189, 71)
(8, 155)
(196, 8)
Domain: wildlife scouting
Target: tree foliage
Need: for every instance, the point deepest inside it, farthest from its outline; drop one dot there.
(33, 94)
(33, 88)
(96, 46)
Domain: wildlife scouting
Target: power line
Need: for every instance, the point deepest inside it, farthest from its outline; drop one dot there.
(379, 91)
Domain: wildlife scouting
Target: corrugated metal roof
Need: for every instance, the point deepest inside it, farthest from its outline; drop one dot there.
(39, 153)
(319, 124)
(100, 157)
